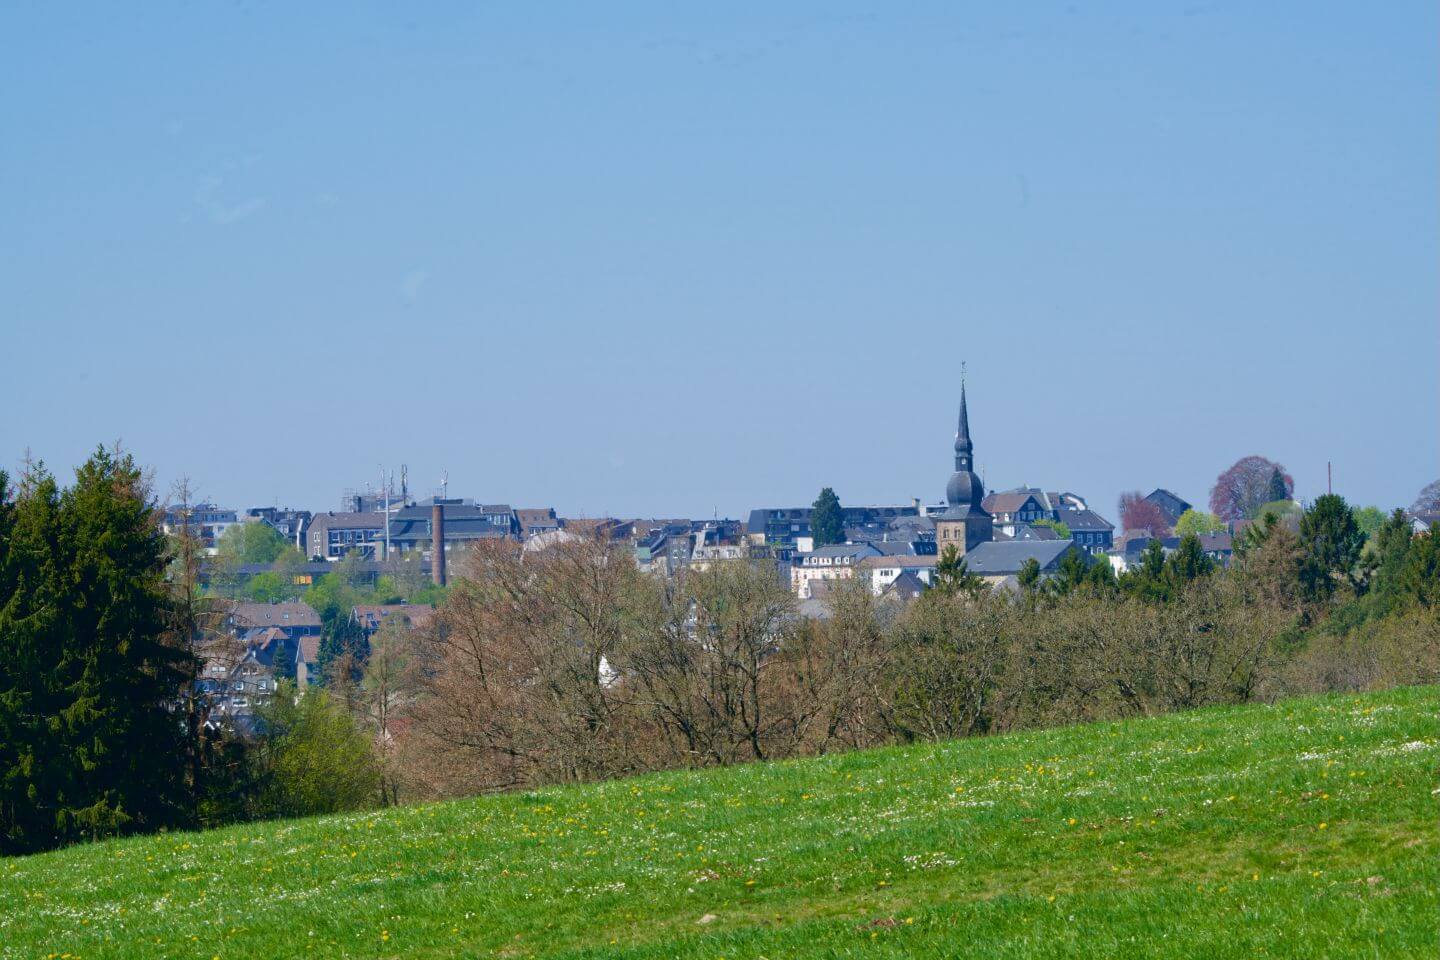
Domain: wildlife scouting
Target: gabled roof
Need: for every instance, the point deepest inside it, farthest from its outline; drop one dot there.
(844, 550)
(1086, 520)
(1009, 502)
(904, 563)
(1216, 542)
(907, 586)
(294, 613)
(348, 521)
(993, 558)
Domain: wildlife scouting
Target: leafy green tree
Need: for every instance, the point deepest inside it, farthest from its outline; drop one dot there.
(312, 757)
(251, 542)
(1197, 522)
(953, 576)
(1147, 578)
(827, 522)
(1420, 578)
(1332, 542)
(1369, 520)
(1062, 529)
(1389, 556)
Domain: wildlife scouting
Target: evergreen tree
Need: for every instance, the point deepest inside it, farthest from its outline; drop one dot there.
(1278, 489)
(953, 576)
(341, 639)
(1188, 562)
(827, 523)
(1029, 575)
(1332, 542)
(1070, 572)
(119, 730)
(32, 767)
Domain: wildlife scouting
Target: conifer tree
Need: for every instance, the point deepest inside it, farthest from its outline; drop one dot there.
(827, 523)
(120, 731)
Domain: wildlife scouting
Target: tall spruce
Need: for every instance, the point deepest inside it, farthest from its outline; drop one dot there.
(120, 727)
(1332, 541)
(32, 597)
(92, 741)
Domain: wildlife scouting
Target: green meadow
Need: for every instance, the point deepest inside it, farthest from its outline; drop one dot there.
(1307, 828)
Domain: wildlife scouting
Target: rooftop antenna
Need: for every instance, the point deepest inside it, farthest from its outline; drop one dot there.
(1329, 479)
(444, 484)
(385, 486)
(404, 488)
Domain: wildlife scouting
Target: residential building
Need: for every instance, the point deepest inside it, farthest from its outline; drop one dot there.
(1014, 507)
(782, 526)
(294, 618)
(369, 616)
(1090, 531)
(1173, 506)
(836, 561)
(205, 521)
(290, 524)
(883, 572)
(464, 522)
(534, 522)
(332, 535)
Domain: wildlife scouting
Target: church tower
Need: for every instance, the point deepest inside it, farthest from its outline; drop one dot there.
(964, 524)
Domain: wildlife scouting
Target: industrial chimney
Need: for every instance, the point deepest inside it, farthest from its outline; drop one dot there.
(437, 544)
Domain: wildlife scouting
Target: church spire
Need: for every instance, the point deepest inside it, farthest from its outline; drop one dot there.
(964, 449)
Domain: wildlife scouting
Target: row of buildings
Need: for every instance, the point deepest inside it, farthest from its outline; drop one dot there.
(997, 533)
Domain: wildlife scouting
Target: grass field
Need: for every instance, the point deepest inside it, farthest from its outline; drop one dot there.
(1305, 829)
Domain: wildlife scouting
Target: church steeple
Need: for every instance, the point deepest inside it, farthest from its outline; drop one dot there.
(964, 524)
(964, 449)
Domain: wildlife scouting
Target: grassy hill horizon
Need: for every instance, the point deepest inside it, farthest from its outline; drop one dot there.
(1303, 828)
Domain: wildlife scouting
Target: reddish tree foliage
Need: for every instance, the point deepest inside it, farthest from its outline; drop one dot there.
(1137, 513)
(1429, 499)
(1244, 488)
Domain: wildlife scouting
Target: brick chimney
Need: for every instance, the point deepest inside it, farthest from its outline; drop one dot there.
(437, 544)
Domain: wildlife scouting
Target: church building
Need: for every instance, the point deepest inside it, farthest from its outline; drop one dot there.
(964, 524)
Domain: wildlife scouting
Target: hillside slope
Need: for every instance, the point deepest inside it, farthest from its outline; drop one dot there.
(1303, 829)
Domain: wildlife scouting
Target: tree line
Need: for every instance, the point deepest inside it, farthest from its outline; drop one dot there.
(569, 663)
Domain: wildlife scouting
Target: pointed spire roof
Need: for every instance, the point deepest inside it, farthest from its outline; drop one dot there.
(962, 432)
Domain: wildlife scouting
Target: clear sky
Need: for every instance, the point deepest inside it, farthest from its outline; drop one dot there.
(669, 259)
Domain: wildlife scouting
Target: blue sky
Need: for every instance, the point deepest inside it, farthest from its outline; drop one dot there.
(669, 259)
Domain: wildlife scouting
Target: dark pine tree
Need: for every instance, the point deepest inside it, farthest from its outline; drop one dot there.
(32, 768)
(1332, 542)
(827, 523)
(1278, 489)
(119, 729)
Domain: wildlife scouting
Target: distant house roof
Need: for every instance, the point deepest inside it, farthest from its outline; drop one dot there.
(308, 650)
(1173, 505)
(1010, 502)
(349, 521)
(995, 559)
(902, 562)
(907, 586)
(294, 613)
(836, 551)
(1026, 531)
(1216, 542)
(1087, 521)
(370, 615)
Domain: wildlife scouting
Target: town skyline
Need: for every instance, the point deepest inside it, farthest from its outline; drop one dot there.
(683, 262)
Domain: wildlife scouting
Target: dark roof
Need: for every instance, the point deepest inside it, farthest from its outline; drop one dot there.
(349, 521)
(906, 586)
(1216, 542)
(464, 528)
(858, 550)
(993, 558)
(1027, 531)
(295, 613)
(1009, 502)
(1086, 520)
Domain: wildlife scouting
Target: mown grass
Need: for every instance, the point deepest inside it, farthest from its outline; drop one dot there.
(1304, 829)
